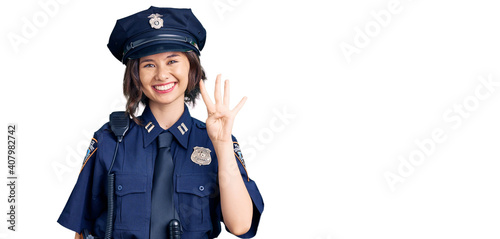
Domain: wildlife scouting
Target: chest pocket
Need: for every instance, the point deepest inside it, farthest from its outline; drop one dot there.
(196, 194)
(131, 203)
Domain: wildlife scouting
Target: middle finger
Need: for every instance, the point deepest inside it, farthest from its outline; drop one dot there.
(217, 95)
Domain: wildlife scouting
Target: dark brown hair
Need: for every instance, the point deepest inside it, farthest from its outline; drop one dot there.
(132, 87)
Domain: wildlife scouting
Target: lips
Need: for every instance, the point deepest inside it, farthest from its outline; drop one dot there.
(164, 88)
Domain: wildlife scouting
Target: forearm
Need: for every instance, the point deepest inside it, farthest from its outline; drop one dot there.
(236, 203)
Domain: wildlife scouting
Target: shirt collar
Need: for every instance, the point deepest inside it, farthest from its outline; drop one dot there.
(180, 129)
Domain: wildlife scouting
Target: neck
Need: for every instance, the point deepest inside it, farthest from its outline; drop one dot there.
(167, 114)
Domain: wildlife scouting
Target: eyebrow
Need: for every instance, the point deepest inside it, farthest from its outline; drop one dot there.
(149, 59)
(173, 55)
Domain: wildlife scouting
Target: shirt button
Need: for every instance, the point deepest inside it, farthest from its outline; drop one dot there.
(120, 187)
(201, 188)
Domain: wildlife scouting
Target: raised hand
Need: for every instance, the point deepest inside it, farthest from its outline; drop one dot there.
(220, 117)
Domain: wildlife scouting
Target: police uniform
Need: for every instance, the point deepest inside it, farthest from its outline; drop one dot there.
(196, 189)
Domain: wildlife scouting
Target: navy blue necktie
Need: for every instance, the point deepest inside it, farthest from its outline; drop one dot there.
(162, 205)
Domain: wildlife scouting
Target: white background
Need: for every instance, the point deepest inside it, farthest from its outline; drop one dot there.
(320, 129)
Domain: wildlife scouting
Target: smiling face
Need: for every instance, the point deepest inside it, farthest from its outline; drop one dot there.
(164, 77)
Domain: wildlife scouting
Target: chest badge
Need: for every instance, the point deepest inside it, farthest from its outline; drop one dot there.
(201, 156)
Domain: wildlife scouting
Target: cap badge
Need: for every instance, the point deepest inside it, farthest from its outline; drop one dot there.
(155, 21)
(201, 156)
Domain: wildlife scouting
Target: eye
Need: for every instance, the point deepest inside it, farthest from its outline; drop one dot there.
(171, 62)
(148, 65)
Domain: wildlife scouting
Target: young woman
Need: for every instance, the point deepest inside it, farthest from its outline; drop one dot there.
(198, 178)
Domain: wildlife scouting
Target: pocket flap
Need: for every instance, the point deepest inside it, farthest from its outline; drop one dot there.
(198, 184)
(130, 183)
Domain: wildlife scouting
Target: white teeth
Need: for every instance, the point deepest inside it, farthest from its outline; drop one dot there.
(165, 87)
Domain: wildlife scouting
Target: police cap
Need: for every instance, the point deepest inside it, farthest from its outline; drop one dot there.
(156, 30)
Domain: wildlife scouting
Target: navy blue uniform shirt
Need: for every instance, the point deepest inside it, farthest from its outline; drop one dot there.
(196, 188)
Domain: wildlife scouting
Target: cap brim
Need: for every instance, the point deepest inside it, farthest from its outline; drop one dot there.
(159, 48)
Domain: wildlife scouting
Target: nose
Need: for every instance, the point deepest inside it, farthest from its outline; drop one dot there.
(162, 73)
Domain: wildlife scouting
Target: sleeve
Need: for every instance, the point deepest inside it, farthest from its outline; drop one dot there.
(258, 203)
(87, 200)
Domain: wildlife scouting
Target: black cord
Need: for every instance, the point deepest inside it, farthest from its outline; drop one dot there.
(114, 155)
(111, 195)
(111, 207)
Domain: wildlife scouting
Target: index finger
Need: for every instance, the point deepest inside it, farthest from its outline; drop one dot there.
(206, 97)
